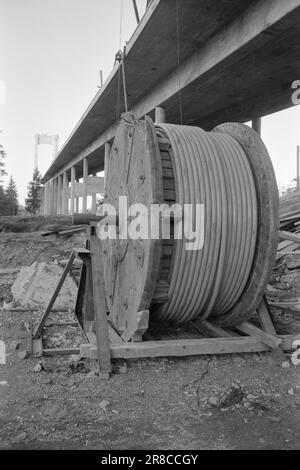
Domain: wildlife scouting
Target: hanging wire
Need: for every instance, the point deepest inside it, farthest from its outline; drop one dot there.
(121, 24)
(120, 58)
(178, 63)
(118, 110)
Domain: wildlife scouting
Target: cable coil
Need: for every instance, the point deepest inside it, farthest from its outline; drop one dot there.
(211, 169)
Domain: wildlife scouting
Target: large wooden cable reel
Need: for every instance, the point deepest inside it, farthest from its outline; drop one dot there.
(230, 172)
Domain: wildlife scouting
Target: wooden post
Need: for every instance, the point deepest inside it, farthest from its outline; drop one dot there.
(39, 329)
(256, 125)
(65, 198)
(85, 184)
(73, 178)
(160, 114)
(100, 310)
(59, 194)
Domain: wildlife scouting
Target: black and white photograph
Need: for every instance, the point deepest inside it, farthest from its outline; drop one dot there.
(149, 228)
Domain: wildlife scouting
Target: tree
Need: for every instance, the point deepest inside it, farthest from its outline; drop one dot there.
(3, 200)
(2, 163)
(12, 197)
(33, 202)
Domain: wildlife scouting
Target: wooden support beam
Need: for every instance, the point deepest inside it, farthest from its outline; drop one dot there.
(265, 319)
(45, 315)
(273, 341)
(100, 310)
(292, 237)
(188, 347)
(208, 329)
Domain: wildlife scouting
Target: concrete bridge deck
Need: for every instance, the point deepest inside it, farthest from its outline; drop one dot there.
(238, 59)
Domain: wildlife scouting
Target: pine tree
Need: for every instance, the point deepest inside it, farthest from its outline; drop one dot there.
(2, 163)
(12, 197)
(32, 203)
(3, 199)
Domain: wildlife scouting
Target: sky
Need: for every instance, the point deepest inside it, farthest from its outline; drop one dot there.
(51, 53)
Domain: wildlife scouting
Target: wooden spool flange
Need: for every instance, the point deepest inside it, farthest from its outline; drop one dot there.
(131, 266)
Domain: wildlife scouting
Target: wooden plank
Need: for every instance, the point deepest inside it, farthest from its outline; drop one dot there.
(137, 326)
(114, 338)
(273, 341)
(44, 317)
(292, 237)
(207, 328)
(81, 296)
(182, 348)
(265, 319)
(70, 231)
(100, 310)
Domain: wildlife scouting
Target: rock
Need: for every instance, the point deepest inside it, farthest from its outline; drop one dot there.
(289, 278)
(250, 397)
(66, 381)
(3, 382)
(213, 401)
(105, 405)
(286, 365)
(75, 358)
(35, 285)
(21, 437)
(123, 369)
(293, 264)
(14, 345)
(275, 419)
(9, 305)
(78, 368)
(46, 380)
(291, 392)
(38, 367)
(91, 375)
(23, 355)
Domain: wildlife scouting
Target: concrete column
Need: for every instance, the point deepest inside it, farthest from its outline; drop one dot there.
(55, 195)
(85, 184)
(46, 198)
(160, 114)
(51, 197)
(73, 180)
(77, 202)
(59, 194)
(106, 162)
(256, 125)
(65, 197)
(94, 200)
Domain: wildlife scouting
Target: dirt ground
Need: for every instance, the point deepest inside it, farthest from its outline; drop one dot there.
(232, 402)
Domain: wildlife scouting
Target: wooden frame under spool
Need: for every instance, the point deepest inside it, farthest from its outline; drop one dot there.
(204, 337)
(127, 342)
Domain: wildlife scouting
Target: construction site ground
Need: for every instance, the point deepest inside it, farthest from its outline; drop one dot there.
(225, 402)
